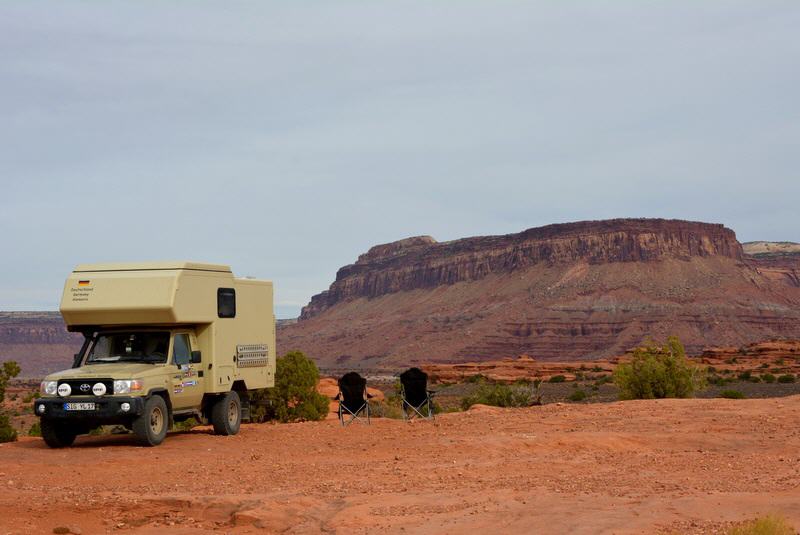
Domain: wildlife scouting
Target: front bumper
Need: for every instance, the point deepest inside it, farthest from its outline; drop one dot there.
(106, 407)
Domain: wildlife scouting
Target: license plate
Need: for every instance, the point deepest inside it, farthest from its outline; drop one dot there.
(78, 406)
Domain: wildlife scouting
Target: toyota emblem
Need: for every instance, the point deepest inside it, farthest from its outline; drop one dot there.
(85, 387)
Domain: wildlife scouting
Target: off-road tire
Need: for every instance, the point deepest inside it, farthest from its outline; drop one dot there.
(150, 427)
(226, 414)
(56, 434)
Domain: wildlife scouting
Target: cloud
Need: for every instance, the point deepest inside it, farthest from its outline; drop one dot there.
(287, 138)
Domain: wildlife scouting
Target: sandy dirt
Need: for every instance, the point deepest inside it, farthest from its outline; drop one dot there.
(686, 466)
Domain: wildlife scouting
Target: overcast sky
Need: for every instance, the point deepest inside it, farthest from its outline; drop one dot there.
(286, 138)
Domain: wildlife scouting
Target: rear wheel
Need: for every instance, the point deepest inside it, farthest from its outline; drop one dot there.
(56, 434)
(226, 415)
(150, 427)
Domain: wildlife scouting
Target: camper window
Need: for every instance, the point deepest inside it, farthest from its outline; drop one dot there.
(226, 303)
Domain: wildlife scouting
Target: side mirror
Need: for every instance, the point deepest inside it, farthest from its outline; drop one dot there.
(197, 357)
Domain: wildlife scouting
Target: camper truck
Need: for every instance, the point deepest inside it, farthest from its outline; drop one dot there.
(163, 342)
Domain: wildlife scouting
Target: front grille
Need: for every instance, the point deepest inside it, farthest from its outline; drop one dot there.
(78, 388)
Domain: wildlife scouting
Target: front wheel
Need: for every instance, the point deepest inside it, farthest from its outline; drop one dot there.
(226, 414)
(56, 434)
(150, 427)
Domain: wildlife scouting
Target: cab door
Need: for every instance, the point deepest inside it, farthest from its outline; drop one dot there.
(187, 386)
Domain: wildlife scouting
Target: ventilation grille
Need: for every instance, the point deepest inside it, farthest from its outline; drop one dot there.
(252, 355)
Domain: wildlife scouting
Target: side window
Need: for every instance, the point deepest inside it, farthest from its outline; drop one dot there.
(181, 352)
(226, 303)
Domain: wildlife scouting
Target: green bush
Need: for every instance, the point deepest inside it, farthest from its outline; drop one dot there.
(745, 376)
(604, 379)
(716, 380)
(578, 395)
(478, 378)
(557, 379)
(499, 395)
(8, 371)
(186, 425)
(7, 431)
(35, 430)
(786, 378)
(659, 371)
(767, 377)
(294, 397)
(732, 394)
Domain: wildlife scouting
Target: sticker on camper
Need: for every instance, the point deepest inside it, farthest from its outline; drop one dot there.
(189, 383)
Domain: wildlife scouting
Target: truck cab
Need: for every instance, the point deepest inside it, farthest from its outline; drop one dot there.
(163, 342)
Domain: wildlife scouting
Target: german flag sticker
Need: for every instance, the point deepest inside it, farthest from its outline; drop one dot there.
(83, 283)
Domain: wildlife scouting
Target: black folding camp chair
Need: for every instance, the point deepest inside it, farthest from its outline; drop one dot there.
(417, 399)
(353, 399)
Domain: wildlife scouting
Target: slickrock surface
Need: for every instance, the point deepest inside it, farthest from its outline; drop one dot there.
(584, 290)
(687, 466)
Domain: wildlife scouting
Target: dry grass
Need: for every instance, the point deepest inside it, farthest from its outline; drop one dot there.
(766, 525)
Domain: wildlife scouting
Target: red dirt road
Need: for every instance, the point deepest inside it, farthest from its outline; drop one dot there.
(690, 466)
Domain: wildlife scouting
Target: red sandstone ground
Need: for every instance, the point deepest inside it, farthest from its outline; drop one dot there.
(688, 466)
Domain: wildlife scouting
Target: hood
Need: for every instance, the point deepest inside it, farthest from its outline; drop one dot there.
(120, 370)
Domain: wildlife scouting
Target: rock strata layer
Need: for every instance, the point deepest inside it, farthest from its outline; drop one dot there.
(584, 290)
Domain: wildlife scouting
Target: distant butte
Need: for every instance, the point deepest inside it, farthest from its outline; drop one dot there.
(585, 290)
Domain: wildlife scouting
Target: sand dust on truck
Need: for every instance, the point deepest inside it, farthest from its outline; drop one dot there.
(163, 342)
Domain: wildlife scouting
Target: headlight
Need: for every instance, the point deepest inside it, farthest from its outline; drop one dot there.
(127, 386)
(48, 388)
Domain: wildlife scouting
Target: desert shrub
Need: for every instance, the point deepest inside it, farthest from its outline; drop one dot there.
(478, 378)
(499, 395)
(8, 371)
(604, 379)
(745, 376)
(578, 395)
(597, 369)
(386, 409)
(30, 396)
(786, 378)
(732, 394)
(659, 371)
(557, 379)
(7, 431)
(766, 525)
(186, 425)
(731, 361)
(711, 369)
(294, 397)
(780, 361)
(765, 366)
(35, 430)
(716, 380)
(767, 377)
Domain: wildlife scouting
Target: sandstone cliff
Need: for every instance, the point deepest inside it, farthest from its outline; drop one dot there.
(780, 261)
(38, 341)
(580, 290)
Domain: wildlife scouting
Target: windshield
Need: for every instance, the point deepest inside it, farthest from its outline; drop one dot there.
(147, 346)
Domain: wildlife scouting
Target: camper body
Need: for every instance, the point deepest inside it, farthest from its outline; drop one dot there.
(163, 342)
